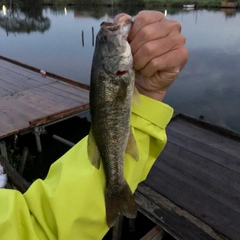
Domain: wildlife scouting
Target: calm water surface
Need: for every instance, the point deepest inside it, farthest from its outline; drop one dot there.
(209, 85)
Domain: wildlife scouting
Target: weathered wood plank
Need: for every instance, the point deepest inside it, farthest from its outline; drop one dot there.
(32, 69)
(62, 93)
(22, 79)
(39, 103)
(155, 233)
(68, 112)
(9, 86)
(179, 189)
(173, 219)
(4, 92)
(213, 154)
(70, 89)
(198, 172)
(26, 96)
(57, 98)
(5, 127)
(24, 72)
(204, 176)
(206, 136)
(13, 116)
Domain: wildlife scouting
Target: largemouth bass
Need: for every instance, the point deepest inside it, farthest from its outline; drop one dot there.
(111, 90)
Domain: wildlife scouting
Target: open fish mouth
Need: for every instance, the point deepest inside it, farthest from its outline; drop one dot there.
(122, 28)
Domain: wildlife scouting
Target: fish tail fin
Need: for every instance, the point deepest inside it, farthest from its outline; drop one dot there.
(119, 201)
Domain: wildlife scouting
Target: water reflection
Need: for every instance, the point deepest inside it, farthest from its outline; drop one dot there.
(63, 44)
(15, 20)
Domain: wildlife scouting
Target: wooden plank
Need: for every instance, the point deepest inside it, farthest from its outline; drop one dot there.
(71, 89)
(10, 106)
(29, 97)
(5, 127)
(24, 72)
(178, 188)
(9, 86)
(30, 69)
(13, 117)
(155, 233)
(206, 136)
(39, 103)
(68, 112)
(23, 78)
(222, 186)
(57, 98)
(62, 93)
(173, 219)
(4, 92)
(213, 154)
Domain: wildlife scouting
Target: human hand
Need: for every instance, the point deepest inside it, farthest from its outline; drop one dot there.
(158, 52)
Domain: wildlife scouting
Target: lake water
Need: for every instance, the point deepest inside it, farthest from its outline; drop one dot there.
(51, 38)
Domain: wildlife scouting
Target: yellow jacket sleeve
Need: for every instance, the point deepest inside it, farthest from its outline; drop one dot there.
(69, 203)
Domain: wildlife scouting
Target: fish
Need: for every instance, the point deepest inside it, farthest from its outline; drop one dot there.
(110, 100)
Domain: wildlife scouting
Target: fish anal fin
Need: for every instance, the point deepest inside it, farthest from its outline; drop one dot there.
(132, 149)
(93, 152)
(119, 200)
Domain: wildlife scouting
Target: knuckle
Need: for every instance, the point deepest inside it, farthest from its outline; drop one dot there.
(147, 49)
(177, 25)
(144, 33)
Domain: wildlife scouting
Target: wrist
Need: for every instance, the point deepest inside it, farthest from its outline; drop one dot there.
(157, 95)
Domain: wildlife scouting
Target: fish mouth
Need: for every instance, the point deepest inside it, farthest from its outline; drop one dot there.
(122, 28)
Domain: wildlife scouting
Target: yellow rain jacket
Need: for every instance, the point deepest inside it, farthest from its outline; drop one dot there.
(69, 203)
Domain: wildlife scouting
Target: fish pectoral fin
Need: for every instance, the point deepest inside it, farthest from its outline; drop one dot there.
(119, 200)
(136, 97)
(132, 148)
(93, 152)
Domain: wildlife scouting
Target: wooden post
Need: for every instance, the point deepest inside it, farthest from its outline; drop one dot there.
(131, 224)
(83, 38)
(157, 233)
(37, 133)
(23, 161)
(92, 36)
(3, 149)
(117, 229)
(17, 180)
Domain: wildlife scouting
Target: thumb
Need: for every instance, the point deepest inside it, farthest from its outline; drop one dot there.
(122, 17)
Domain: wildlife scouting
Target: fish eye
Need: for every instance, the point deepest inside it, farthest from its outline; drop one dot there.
(104, 39)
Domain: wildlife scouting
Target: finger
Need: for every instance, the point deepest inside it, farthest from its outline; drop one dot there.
(154, 31)
(121, 17)
(171, 62)
(144, 18)
(152, 50)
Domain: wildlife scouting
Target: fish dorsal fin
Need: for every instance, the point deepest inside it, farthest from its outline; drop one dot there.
(132, 149)
(93, 152)
(136, 97)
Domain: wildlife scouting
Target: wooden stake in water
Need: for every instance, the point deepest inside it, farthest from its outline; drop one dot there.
(92, 36)
(82, 38)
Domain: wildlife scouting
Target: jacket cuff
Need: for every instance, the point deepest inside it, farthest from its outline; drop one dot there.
(153, 111)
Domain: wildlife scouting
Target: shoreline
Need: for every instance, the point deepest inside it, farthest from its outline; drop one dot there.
(118, 3)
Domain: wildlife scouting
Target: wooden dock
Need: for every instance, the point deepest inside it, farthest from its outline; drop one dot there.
(29, 101)
(193, 189)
